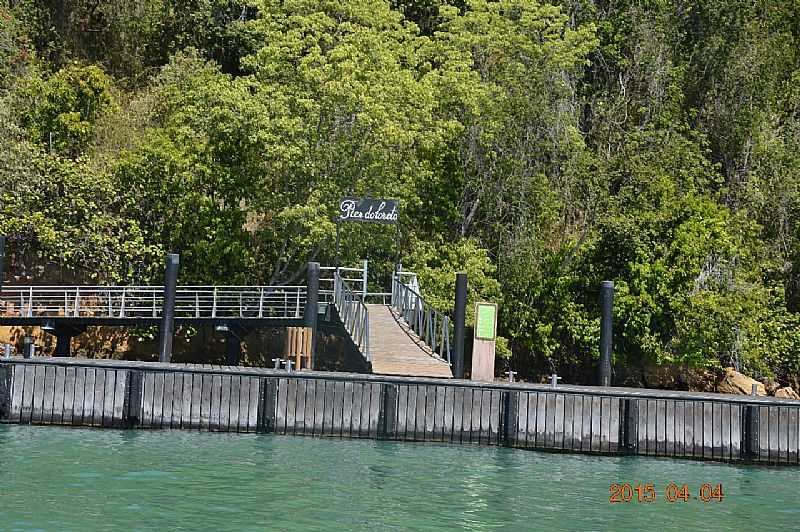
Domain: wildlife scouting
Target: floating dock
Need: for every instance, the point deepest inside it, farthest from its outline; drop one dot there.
(121, 394)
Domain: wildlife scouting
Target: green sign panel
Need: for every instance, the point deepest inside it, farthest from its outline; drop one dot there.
(485, 321)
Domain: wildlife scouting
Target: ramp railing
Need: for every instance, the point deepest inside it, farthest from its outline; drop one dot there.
(355, 277)
(353, 313)
(431, 325)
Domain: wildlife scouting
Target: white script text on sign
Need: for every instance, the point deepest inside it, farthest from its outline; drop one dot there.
(383, 211)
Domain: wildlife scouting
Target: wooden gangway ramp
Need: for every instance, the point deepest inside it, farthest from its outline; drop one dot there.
(395, 349)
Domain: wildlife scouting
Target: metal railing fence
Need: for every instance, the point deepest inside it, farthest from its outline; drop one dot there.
(131, 302)
(431, 325)
(353, 313)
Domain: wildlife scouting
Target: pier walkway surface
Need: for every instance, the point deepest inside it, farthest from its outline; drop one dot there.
(398, 350)
(582, 419)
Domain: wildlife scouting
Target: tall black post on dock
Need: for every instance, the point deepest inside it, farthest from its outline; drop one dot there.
(2, 259)
(606, 330)
(168, 310)
(459, 325)
(311, 312)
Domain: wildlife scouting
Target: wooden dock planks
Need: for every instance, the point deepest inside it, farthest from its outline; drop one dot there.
(396, 350)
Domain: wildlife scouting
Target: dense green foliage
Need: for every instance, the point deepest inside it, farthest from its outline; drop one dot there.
(542, 148)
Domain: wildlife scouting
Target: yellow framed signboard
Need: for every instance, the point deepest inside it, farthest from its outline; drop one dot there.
(485, 321)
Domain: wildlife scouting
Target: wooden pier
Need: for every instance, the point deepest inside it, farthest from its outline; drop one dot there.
(567, 418)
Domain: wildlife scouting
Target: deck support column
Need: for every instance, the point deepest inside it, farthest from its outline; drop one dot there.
(233, 348)
(459, 325)
(168, 310)
(64, 335)
(311, 311)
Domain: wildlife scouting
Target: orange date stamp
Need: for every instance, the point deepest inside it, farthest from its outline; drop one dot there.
(625, 492)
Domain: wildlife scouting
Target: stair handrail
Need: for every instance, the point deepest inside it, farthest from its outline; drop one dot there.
(431, 325)
(353, 314)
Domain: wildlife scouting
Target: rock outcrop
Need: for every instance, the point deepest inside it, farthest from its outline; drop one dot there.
(739, 384)
(786, 393)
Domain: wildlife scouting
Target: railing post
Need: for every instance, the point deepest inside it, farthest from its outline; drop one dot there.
(606, 330)
(459, 325)
(364, 282)
(312, 306)
(366, 340)
(168, 309)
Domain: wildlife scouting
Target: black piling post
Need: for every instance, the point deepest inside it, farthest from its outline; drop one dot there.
(387, 415)
(311, 312)
(606, 330)
(5, 391)
(132, 401)
(2, 259)
(268, 401)
(751, 432)
(629, 425)
(510, 418)
(168, 310)
(459, 325)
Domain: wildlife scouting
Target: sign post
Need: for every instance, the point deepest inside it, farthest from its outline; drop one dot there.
(483, 345)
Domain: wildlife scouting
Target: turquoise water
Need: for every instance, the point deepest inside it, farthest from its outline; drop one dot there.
(82, 479)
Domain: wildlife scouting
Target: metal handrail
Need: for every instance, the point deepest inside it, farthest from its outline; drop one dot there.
(431, 325)
(353, 313)
(131, 302)
(356, 276)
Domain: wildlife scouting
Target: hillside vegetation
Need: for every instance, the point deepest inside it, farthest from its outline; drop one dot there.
(541, 148)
